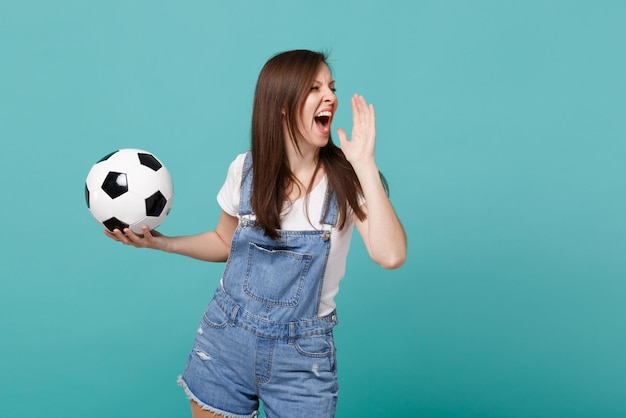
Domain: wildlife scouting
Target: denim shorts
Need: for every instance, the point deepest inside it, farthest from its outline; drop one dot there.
(238, 359)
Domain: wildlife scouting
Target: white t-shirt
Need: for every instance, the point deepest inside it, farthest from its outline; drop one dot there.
(294, 218)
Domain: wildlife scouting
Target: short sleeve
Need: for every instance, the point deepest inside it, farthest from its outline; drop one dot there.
(228, 196)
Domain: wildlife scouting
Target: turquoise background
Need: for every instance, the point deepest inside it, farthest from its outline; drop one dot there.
(501, 130)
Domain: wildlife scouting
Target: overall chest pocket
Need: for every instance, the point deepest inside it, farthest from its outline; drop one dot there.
(275, 277)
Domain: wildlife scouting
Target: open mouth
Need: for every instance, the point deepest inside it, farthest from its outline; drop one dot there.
(322, 120)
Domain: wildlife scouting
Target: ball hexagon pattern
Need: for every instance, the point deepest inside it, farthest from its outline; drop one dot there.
(129, 188)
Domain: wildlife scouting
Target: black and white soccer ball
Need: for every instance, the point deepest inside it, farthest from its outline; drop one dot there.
(129, 188)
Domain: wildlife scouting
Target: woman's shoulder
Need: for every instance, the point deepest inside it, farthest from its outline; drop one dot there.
(228, 196)
(239, 160)
(236, 166)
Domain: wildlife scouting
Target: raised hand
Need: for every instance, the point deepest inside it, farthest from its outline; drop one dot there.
(381, 230)
(359, 148)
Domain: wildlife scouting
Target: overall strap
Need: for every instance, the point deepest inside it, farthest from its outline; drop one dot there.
(245, 207)
(330, 210)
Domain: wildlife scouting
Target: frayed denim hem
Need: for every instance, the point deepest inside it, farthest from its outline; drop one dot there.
(206, 407)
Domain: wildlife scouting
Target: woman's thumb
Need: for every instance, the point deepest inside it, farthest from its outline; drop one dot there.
(342, 136)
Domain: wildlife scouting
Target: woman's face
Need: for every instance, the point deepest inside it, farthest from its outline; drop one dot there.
(318, 111)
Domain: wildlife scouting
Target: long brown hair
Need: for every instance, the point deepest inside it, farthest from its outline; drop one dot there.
(281, 90)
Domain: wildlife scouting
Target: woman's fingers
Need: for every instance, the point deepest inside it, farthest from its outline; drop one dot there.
(360, 145)
(128, 237)
(362, 113)
(359, 114)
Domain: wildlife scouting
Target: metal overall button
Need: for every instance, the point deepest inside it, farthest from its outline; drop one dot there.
(325, 235)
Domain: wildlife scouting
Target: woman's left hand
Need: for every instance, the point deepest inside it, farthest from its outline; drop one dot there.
(359, 148)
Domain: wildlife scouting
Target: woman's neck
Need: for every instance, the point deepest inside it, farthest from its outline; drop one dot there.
(303, 164)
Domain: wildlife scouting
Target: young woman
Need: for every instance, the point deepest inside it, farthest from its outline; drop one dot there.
(289, 207)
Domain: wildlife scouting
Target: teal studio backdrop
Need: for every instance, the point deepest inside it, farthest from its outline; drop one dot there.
(501, 130)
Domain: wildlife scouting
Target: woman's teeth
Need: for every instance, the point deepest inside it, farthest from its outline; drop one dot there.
(327, 113)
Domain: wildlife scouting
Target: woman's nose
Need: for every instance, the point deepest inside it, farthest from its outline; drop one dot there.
(329, 96)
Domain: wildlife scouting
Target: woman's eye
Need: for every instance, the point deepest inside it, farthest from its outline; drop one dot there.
(316, 88)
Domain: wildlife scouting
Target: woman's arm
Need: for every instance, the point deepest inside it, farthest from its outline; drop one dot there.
(381, 230)
(207, 246)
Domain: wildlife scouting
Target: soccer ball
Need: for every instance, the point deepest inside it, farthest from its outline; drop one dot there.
(129, 188)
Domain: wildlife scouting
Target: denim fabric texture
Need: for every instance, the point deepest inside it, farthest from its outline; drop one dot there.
(260, 336)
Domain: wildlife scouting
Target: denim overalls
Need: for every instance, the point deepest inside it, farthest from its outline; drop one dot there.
(260, 336)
